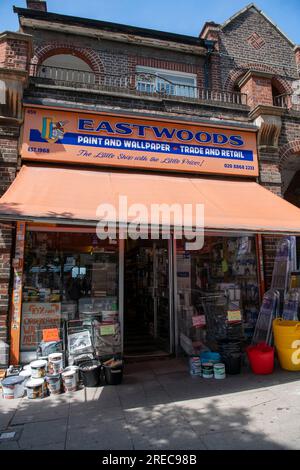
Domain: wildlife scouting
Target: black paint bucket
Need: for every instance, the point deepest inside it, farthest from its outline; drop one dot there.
(113, 375)
(90, 373)
(233, 363)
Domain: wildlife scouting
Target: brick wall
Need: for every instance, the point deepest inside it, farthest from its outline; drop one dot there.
(9, 136)
(270, 49)
(114, 58)
(258, 90)
(14, 51)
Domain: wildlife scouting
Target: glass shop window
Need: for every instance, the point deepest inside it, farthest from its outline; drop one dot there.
(65, 275)
(217, 292)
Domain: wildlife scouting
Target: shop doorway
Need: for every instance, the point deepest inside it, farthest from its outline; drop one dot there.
(147, 325)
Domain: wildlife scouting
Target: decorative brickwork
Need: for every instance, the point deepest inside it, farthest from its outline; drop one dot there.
(256, 41)
(289, 149)
(90, 56)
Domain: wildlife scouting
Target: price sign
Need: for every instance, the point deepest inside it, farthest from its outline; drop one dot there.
(234, 316)
(106, 330)
(51, 334)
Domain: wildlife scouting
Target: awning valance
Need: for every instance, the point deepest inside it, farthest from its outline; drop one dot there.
(64, 195)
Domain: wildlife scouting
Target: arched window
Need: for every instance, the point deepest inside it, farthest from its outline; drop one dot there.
(67, 68)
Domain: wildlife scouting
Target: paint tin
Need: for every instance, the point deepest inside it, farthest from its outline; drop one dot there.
(207, 370)
(76, 369)
(35, 388)
(195, 366)
(26, 373)
(12, 387)
(38, 369)
(55, 364)
(70, 380)
(54, 384)
(219, 371)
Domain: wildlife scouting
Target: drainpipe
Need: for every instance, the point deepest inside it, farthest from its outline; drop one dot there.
(210, 47)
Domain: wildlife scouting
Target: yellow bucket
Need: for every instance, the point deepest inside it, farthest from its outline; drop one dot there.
(289, 358)
(287, 343)
(286, 332)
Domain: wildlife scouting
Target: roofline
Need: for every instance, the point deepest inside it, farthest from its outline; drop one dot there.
(109, 26)
(252, 5)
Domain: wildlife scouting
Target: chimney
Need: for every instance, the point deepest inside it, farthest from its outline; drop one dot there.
(40, 5)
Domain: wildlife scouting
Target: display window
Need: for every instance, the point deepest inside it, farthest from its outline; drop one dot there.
(68, 278)
(217, 292)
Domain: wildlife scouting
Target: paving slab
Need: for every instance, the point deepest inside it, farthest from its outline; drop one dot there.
(110, 435)
(240, 440)
(42, 433)
(46, 409)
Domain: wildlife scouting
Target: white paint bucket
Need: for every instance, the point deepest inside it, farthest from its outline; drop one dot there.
(35, 388)
(54, 384)
(55, 364)
(219, 371)
(12, 387)
(26, 373)
(76, 369)
(70, 380)
(38, 369)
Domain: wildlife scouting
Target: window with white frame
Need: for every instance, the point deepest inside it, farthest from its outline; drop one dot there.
(151, 80)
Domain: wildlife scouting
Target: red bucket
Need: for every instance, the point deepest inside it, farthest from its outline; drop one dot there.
(261, 358)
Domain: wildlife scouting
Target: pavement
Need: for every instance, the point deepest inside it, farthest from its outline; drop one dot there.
(159, 406)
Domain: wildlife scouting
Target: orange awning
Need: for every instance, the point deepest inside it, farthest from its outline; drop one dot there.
(60, 195)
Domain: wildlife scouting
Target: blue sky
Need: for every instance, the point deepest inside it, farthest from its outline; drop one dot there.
(179, 16)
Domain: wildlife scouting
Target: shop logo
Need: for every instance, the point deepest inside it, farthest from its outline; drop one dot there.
(53, 131)
(157, 221)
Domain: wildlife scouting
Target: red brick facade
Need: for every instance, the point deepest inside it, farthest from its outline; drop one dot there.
(250, 55)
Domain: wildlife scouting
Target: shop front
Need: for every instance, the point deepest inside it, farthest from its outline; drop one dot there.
(80, 276)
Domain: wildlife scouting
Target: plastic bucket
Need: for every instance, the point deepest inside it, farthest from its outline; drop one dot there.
(35, 388)
(12, 387)
(289, 358)
(261, 358)
(219, 371)
(90, 373)
(113, 375)
(285, 333)
(38, 369)
(207, 370)
(70, 380)
(55, 363)
(233, 363)
(54, 384)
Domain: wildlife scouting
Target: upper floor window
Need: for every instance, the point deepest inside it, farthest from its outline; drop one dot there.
(67, 68)
(151, 80)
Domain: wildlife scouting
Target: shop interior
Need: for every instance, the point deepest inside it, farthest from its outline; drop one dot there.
(146, 298)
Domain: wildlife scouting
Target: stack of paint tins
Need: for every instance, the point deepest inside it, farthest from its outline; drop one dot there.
(60, 379)
(55, 368)
(36, 386)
